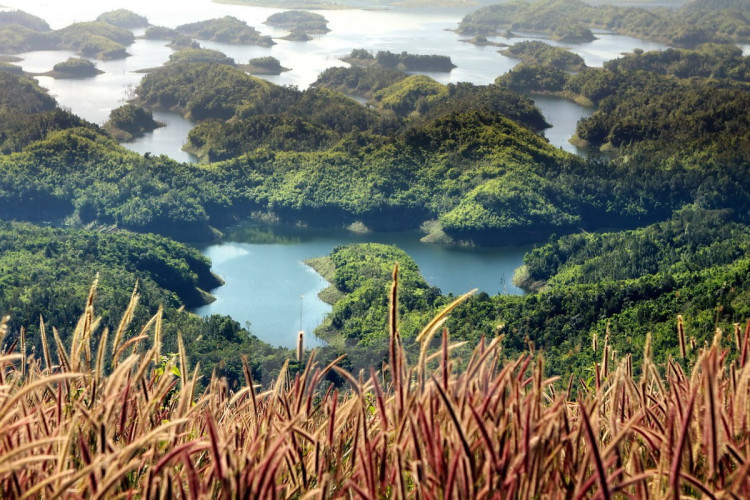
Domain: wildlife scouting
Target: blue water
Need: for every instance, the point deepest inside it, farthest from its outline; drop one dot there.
(269, 286)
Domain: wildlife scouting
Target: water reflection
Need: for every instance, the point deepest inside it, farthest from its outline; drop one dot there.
(563, 115)
(165, 140)
(263, 267)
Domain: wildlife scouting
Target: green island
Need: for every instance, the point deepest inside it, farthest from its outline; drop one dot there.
(227, 29)
(21, 32)
(267, 65)
(200, 55)
(297, 36)
(299, 21)
(697, 22)
(124, 19)
(75, 67)
(403, 62)
(482, 41)
(536, 52)
(129, 122)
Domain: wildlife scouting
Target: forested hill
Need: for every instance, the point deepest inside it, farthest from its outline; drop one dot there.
(624, 284)
(444, 168)
(698, 22)
(47, 272)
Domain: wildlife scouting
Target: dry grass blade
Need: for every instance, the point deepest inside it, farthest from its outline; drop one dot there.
(481, 427)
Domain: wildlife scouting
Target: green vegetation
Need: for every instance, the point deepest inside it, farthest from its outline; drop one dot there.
(95, 39)
(535, 52)
(20, 18)
(425, 152)
(75, 67)
(707, 61)
(195, 55)
(227, 29)
(28, 113)
(362, 276)
(455, 159)
(573, 34)
(358, 80)
(699, 123)
(421, 99)
(297, 36)
(45, 272)
(10, 68)
(297, 20)
(402, 97)
(401, 62)
(15, 38)
(627, 284)
(21, 32)
(698, 22)
(532, 78)
(200, 90)
(124, 18)
(161, 33)
(267, 65)
(212, 141)
(130, 121)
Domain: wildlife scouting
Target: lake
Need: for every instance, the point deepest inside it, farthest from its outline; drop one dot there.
(267, 284)
(423, 31)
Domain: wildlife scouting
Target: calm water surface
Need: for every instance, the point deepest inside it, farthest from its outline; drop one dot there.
(268, 284)
(166, 140)
(563, 115)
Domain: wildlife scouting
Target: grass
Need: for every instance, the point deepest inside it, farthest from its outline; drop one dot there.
(110, 416)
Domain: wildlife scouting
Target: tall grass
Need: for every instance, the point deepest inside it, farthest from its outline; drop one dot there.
(117, 419)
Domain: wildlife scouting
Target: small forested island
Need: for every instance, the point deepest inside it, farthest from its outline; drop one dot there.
(264, 66)
(161, 33)
(482, 41)
(227, 29)
(21, 32)
(574, 33)
(75, 67)
(299, 21)
(297, 36)
(124, 18)
(193, 55)
(536, 52)
(402, 62)
(129, 121)
(697, 22)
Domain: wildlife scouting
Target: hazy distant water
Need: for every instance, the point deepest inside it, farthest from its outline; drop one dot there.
(421, 31)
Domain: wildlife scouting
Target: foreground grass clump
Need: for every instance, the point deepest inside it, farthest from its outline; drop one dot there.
(110, 416)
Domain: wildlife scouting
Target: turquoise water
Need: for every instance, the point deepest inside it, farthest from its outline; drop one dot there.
(269, 286)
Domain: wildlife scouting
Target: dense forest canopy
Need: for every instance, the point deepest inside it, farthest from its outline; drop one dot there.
(698, 22)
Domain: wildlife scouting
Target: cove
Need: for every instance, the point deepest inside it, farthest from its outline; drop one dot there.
(268, 284)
